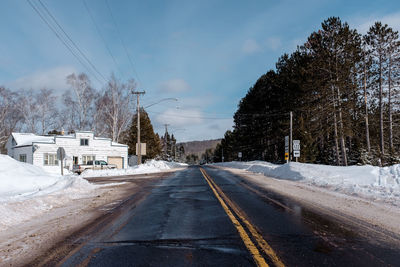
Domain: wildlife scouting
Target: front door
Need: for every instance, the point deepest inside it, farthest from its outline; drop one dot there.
(75, 160)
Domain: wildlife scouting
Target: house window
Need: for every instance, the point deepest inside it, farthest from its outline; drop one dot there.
(84, 142)
(50, 159)
(22, 157)
(86, 158)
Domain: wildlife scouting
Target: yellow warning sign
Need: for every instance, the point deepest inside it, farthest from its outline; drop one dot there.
(286, 156)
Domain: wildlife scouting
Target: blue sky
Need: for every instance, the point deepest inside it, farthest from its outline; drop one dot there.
(205, 53)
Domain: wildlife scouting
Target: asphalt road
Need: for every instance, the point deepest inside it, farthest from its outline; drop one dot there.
(209, 217)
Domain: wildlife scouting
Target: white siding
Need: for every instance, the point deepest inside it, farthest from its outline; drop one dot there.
(27, 150)
(100, 147)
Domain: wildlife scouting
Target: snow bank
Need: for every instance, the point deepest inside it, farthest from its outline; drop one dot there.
(365, 181)
(151, 166)
(27, 191)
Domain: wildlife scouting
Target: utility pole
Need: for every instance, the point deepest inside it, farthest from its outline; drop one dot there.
(291, 137)
(139, 147)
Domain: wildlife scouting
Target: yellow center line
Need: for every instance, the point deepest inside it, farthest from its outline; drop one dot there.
(260, 240)
(246, 239)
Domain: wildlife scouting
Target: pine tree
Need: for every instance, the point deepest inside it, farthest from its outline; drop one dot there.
(153, 146)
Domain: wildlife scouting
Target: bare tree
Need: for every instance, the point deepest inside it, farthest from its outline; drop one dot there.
(79, 103)
(115, 107)
(10, 117)
(46, 110)
(27, 107)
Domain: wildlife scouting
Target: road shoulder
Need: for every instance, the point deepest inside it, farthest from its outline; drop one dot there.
(376, 219)
(36, 239)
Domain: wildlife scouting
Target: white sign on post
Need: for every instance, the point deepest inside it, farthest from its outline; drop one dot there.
(286, 144)
(61, 156)
(142, 149)
(296, 148)
(240, 154)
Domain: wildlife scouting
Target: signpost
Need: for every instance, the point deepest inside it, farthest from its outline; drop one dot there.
(61, 156)
(287, 149)
(296, 149)
(240, 156)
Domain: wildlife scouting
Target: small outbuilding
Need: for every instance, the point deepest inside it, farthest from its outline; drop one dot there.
(79, 147)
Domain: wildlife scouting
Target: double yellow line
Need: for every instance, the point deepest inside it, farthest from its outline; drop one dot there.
(231, 210)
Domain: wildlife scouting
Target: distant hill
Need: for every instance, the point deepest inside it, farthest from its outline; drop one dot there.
(199, 147)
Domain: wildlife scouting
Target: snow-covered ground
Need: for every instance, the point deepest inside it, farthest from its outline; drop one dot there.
(151, 166)
(363, 181)
(365, 198)
(28, 191)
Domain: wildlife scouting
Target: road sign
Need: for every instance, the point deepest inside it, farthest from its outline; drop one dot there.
(296, 148)
(286, 155)
(61, 156)
(60, 153)
(286, 144)
(142, 149)
(240, 154)
(296, 145)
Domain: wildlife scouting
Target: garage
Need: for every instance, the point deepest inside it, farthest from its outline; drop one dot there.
(119, 161)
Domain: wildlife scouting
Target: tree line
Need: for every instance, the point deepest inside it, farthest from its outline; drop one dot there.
(343, 90)
(107, 112)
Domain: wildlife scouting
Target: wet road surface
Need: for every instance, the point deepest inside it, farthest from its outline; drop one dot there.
(210, 217)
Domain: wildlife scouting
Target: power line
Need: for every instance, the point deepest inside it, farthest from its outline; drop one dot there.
(102, 37)
(189, 117)
(122, 41)
(62, 40)
(73, 43)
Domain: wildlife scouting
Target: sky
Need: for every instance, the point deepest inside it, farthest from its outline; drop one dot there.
(206, 54)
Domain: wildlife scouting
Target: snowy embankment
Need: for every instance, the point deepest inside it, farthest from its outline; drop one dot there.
(151, 166)
(27, 191)
(364, 181)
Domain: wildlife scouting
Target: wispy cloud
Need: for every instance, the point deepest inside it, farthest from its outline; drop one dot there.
(251, 46)
(363, 24)
(274, 43)
(177, 118)
(54, 79)
(175, 85)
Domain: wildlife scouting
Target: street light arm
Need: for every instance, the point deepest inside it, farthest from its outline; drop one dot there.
(165, 99)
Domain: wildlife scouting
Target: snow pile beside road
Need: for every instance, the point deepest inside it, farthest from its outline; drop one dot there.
(151, 166)
(27, 191)
(366, 181)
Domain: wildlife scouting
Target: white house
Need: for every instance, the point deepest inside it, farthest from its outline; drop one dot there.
(79, 148)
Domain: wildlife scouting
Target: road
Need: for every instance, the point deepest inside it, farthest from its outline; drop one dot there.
(210, 217)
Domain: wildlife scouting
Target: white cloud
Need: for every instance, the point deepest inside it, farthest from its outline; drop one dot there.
(54, 79)
(274, 43)
(392, 20)
(180, 118)
(251, 46)
(175, 85)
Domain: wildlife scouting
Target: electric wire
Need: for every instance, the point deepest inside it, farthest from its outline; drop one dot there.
(73, 43)
(190, 117)
(62, 40)
(102, 37)
(122, 41)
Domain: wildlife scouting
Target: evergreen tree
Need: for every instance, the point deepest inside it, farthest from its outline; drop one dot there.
(383, 47)
(153, 146)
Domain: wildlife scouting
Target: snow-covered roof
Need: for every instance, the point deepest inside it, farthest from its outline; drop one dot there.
(117, 144)
(26, 139)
